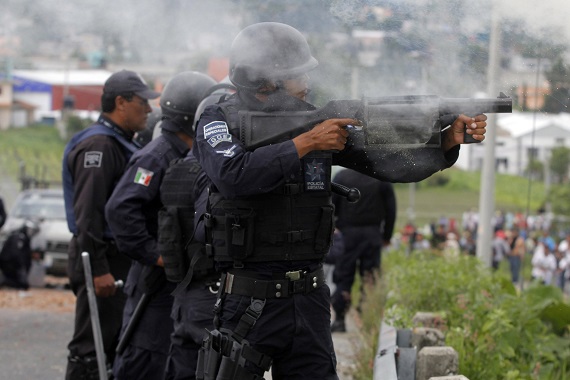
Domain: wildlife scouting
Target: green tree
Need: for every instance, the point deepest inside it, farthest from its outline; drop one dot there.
(559, 198)
(535, 169)
(559, 162)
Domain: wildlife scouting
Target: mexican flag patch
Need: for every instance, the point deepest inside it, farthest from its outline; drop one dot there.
(143, 176)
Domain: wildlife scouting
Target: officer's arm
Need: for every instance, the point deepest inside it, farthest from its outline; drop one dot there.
(392, 164)
(126, 207)
(93, 184)
(329, 135)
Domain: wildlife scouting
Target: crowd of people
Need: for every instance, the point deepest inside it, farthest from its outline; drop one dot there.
(222, 244)
(516, 236)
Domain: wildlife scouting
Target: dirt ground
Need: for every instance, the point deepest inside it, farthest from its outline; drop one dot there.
(35, 327)
(54, 299)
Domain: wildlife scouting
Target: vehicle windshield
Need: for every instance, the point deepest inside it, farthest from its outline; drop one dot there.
(36, 206)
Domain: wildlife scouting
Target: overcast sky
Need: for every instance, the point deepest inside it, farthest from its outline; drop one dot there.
(539, 13)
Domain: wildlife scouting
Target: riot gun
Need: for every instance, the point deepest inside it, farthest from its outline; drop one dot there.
(404, 121)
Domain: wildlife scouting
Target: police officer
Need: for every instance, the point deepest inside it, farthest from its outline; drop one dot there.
(93, 162)
(366, 226)
(132, 212)
(183, 191)
(270, 211)
(16, 256)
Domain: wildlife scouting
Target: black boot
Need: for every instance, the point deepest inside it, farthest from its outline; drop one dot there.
(82, 368)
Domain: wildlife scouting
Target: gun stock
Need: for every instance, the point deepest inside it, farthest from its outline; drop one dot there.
(403, 121)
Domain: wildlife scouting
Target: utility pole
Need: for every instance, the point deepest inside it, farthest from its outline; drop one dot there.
(487, 192)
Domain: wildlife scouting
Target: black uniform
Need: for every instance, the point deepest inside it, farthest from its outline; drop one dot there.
(16, 260)
(132, 212)
(271, 227)
(196, 295)
(93, 162)
(2, 213)
(365, 226)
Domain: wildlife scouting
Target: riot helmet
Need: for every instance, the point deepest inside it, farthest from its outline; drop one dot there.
(145, 136)
(213, 96)
(268, 51)
(181, 97)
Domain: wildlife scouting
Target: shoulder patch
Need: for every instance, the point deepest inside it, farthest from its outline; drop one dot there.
(143, 176)
(217, 132)
(92, 159)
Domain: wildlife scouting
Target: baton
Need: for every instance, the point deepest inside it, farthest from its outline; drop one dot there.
(95, 324)
(153, 272)
(133, 323)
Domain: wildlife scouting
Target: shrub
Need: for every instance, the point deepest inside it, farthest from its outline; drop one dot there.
(498, 333)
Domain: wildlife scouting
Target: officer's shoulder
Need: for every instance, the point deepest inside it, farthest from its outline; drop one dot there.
(219, 107)
(100, 141)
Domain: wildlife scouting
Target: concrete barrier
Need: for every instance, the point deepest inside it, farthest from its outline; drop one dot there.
(436, 361)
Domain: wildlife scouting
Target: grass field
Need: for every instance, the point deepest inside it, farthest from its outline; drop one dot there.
(35, 151)
(39, 150)
(461, 193)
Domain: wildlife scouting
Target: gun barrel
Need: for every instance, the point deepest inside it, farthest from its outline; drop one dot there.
(472, 107)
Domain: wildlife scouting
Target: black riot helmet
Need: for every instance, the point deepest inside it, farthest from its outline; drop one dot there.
(180, 98)
(268, 51)
(213, 96)
(145, 136)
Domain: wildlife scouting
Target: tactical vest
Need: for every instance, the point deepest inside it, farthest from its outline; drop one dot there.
(176, 223)
(293, 222)
(128, 146)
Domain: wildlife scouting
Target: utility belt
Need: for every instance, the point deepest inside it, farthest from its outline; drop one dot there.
(225, 354)
(210, 282)
(293, 282)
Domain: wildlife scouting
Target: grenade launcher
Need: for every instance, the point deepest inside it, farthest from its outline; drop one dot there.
(403, 121)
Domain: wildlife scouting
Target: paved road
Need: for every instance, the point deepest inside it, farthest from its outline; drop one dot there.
(32, 344)
(33, 341)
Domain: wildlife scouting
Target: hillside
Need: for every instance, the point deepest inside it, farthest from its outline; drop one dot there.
(452, 192)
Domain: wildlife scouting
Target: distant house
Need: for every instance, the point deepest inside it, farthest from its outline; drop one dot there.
(521, 136)
(13, 113)
(46, 90)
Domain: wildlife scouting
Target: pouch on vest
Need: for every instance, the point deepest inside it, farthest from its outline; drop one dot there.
(239, 233)
(170, 245)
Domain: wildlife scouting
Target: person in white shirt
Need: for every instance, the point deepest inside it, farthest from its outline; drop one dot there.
(544, 262)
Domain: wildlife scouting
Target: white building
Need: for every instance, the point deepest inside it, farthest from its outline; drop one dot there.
(520, 137)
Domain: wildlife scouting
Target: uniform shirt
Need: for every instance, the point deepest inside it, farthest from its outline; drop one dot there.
(96, 165)
(376, 207)
(132, 210)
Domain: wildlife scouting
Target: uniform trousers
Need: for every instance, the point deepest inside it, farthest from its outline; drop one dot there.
(145, 355)
(362, 252)
(192, 314)
(294, 331)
